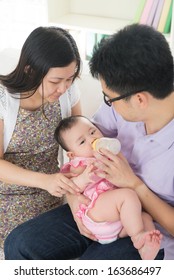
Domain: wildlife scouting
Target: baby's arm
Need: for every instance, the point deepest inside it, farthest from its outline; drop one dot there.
(83, 176)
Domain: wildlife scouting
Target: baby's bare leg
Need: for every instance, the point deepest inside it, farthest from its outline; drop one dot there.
(147, 221)
(148, 242)
(124, 205)
(119, 204)
(105, 208)
(140, 227)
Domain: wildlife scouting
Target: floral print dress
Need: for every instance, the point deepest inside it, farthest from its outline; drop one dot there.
(32, 147)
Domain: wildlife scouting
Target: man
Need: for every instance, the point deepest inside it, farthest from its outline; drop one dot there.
(135, 67)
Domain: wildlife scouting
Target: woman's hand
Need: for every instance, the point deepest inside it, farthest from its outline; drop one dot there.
(116, 169)
(74, 202)
(59, 184)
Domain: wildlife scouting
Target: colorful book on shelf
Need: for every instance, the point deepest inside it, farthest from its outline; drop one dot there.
(164, 15)
(169, 20)
(139, 11)
(146, 11)
(152, 12)
(158, 14)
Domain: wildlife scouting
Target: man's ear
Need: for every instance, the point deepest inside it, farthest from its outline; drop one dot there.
(142, 99)
(70, 155)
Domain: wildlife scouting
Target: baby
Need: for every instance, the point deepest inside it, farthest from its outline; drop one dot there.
(113, 212)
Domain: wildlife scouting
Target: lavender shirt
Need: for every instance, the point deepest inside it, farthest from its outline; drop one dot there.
(150, 156)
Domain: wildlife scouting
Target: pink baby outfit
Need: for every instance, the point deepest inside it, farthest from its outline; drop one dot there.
(105, 232)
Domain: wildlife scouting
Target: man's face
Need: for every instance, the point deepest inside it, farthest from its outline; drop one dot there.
(124, 107)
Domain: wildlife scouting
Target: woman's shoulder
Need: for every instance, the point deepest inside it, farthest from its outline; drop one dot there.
(69, 99)
(7, 100)
(2, 89)
(3, 96)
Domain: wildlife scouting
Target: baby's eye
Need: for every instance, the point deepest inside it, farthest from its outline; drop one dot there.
(93, 131)
(82, 142)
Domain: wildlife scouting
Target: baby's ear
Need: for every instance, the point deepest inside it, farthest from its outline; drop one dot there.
(70, 155)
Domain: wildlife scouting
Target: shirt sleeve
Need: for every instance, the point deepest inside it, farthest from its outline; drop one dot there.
(1, 114)
(69, 99)
(74, 94)
(2, 103)
(106, 120)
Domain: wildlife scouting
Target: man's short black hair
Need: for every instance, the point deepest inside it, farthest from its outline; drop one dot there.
(135, 58)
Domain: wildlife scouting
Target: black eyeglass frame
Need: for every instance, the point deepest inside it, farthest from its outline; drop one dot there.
(110, 101)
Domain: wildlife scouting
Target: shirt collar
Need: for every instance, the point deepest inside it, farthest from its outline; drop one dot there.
(165, 136)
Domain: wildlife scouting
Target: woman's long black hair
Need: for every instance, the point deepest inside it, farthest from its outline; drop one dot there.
(45, 48)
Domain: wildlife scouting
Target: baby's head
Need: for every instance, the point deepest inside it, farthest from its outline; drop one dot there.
(75, 135)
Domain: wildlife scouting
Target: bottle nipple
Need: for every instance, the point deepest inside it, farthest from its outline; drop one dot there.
(111, 144)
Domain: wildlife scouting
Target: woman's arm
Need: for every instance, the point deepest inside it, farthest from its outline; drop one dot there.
(117, 170)
(56, 184)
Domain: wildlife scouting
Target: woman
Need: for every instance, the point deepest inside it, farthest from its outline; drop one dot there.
(33, 99)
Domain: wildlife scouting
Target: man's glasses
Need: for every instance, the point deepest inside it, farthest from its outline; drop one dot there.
(109, 101)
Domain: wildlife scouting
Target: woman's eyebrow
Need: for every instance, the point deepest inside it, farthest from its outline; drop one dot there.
(61, 78)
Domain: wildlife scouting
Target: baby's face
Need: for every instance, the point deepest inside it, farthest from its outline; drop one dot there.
(80, 137)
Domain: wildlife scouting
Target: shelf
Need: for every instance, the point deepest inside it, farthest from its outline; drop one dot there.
(94, 24)
(96, 16)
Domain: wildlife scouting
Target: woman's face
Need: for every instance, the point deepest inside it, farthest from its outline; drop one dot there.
(57, 81)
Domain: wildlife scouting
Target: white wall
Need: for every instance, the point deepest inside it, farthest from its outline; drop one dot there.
(8, 60)
(91, 93)
(18, 18)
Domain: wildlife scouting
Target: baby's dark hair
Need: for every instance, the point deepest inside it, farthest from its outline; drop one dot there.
(65, 124)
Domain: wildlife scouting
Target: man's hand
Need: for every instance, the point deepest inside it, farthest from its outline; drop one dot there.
(116, 169)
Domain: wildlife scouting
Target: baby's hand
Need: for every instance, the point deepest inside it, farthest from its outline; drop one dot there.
(84, 178)
(87, 174)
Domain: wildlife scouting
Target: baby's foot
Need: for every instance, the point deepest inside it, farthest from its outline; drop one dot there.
(148, 244)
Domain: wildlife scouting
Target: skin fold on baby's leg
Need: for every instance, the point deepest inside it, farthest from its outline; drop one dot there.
(124, 205)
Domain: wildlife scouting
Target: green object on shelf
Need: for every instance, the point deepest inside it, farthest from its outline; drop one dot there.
(92, 39)
(167, 26)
